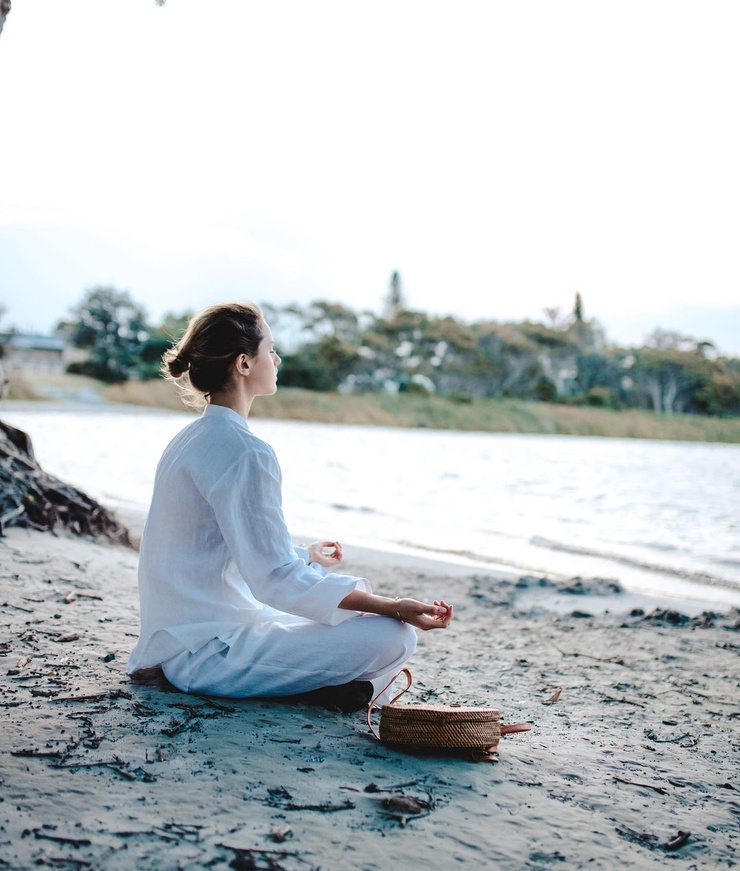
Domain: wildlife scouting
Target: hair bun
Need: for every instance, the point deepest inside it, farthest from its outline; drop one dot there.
(176, 364)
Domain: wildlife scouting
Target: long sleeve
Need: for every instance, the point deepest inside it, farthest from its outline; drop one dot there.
(246, 501)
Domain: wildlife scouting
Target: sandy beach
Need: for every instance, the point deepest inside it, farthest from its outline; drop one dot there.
(632, 760)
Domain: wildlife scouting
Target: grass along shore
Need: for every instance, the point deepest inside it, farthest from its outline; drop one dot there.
(404, 410)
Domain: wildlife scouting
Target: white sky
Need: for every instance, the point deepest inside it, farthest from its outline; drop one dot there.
(500, 155)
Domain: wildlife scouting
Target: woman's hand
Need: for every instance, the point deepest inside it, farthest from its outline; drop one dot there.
(326, 553)
(421, 615)
(438, 615)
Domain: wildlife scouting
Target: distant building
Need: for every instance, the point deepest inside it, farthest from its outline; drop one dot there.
(33, 352)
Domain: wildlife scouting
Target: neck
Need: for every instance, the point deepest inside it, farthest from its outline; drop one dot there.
(234, 400)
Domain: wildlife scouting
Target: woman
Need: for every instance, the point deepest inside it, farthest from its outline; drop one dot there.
(229, 606)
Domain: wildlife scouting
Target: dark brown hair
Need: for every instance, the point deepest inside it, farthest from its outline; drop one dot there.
(200, 363)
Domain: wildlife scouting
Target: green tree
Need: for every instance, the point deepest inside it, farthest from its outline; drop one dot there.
(511, 365)
(330, 319)
(668, 372)
(158, 341)
(598, 379)
(578, 309)
(322, 365)
(394, 301)
(112, 328)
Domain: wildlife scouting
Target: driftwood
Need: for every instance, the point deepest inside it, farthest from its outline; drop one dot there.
(32, 498)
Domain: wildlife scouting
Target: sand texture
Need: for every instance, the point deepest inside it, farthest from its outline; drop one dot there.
(632, 761)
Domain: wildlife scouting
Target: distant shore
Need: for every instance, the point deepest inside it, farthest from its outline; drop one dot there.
(405, 410)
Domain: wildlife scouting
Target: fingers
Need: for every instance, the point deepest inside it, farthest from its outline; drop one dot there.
(448, 618)
(331, 548)
(435, 616)
(443, 613)
(325, 553)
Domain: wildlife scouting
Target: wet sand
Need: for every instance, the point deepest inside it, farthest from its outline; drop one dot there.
(632, 760)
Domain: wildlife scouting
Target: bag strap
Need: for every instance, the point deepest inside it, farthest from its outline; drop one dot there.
(395, 698)
(515, 727)
(491, 754)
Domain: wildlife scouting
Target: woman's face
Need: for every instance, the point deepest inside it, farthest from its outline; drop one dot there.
(263, 368)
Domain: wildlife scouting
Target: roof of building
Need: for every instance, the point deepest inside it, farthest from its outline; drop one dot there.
(31, 342)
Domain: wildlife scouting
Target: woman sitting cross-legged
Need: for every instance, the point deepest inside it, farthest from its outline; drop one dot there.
(229, 607)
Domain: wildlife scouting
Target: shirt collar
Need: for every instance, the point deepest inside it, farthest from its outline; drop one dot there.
(223, 411)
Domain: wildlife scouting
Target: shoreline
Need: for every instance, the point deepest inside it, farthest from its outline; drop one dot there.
(634, 734)
(363, 559)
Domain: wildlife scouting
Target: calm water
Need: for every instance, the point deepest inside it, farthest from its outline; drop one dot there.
(662, 517)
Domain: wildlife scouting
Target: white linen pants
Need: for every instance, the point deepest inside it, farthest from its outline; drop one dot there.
(292, 655)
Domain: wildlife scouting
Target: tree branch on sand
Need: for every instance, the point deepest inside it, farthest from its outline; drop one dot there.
(34, 499)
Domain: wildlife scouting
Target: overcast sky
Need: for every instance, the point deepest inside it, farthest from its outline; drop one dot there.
(500, 155)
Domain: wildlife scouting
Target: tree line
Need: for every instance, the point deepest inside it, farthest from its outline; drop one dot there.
(327, 346)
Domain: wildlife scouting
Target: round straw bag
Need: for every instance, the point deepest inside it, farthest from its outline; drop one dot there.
(440, 726)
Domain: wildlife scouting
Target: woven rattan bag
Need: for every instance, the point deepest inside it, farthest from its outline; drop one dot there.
(440, 726)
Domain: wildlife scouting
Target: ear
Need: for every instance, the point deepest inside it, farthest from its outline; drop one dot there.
(241, 364)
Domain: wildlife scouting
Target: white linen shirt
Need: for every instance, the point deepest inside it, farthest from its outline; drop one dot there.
(216, 554)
